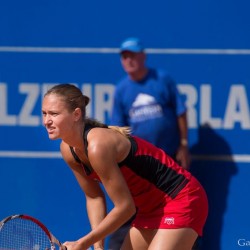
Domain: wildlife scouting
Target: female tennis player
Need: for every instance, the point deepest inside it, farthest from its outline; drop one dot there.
(168, 204)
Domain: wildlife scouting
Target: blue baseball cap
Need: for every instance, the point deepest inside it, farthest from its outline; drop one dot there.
(132, 44)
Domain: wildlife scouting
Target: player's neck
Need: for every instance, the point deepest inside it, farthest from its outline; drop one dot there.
(75, 137)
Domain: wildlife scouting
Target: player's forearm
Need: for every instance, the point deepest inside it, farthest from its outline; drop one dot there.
(96, 209)
(114, 219)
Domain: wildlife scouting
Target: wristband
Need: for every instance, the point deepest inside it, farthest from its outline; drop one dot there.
(184, 142)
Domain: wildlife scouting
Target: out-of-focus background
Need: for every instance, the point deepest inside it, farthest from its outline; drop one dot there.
(205, 45)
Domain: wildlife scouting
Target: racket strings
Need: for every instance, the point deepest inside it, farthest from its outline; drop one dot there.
(21, 234)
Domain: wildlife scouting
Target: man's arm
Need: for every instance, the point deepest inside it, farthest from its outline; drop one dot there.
(182, 155)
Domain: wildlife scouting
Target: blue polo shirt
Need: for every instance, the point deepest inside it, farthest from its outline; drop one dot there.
(150, 107)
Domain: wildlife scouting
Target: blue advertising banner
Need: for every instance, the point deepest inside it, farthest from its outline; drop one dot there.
(204, 46)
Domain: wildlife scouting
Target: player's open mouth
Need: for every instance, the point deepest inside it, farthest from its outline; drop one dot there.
(50, 131)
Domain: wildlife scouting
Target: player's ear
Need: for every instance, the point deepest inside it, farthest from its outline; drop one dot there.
(77, 114)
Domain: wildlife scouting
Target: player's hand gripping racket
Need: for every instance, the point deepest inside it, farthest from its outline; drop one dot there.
(23, 232)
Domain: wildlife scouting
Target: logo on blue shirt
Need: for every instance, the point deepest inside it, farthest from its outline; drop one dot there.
(145, 108)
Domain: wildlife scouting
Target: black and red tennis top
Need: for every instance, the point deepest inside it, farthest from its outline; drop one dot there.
(152, 176)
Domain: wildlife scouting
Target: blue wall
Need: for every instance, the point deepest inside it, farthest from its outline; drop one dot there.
(204, 45)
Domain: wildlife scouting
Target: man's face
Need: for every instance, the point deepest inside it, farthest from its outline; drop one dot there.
(132, 62)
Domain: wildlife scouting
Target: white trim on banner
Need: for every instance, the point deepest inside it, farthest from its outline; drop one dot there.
(43, 154)
(23, 49)
(29, 154)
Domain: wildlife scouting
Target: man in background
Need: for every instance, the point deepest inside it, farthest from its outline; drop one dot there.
(147, 100)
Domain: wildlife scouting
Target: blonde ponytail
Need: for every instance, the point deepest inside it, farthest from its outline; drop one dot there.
(126, 131)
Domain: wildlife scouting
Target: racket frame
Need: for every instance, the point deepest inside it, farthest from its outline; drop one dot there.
(53, 240)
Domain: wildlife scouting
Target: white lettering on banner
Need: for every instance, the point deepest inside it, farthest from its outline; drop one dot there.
(237, 109)
(5, 119)
(45, 87)
(103, 100)
(32, 92)
(199, 103)
(87, 90)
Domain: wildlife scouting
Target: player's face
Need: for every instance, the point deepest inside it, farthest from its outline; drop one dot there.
(56, 118)
(132, 62)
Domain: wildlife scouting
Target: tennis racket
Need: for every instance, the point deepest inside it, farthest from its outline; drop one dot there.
(23, 232)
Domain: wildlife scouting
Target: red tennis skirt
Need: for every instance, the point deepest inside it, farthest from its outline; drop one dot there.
(189, 209)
